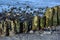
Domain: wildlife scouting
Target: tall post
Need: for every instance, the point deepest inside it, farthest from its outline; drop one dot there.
(57, 15)
(53, 11)
(25, 26)
(1, 29)
(17, 25)
(35, 23)
(49, 17)
(12, 32)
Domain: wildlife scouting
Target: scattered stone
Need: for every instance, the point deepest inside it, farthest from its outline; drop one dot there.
(47, 32)
(31, 31)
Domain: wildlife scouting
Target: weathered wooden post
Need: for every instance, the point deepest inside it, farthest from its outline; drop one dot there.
(12, 31)
(9, 25)
(25, 26)
(1, 29)
(59, 14)
(4, 23)
(54, 16)
(48, 15)
(35, 23)
(17, 22)
(42, 22)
